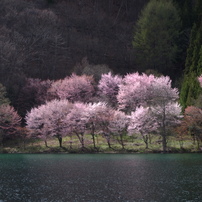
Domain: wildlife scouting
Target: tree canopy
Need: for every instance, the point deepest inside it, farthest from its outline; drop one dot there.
(156, 34)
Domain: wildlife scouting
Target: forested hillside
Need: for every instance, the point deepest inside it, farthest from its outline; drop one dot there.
(46, 39)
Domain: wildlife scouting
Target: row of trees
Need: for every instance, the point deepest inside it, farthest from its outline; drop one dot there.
(31, 31)
(116, 106)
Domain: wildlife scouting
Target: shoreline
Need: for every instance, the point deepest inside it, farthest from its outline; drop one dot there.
(101, 152)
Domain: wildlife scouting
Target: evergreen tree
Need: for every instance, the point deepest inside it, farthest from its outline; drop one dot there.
(199, 66)
(156, 35)
(190, 89)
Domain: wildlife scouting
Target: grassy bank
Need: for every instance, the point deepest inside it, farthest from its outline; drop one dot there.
(72, 145)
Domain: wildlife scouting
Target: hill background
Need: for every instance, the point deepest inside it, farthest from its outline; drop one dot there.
(50, 39)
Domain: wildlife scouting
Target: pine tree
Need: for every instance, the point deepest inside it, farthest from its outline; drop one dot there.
(199, 66)
(190, 89)
(156, 35)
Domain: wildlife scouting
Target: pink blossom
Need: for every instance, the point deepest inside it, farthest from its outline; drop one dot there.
(142, 121)
(161, 90)
(74, 88)
(9, 119)
(108, 88)
(49, 119)
(134, 91)
(119, 123)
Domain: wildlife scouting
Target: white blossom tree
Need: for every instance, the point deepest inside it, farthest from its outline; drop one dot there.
(154, 92)
(108, 88)
(100, 115)
(77, 120)
(165, 107)
(167, 116)
(134, 91)
(119, 126)
(143, 122)
(48, 120)
(74, 88)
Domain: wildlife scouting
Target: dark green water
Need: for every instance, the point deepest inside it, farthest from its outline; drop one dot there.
(101, 177)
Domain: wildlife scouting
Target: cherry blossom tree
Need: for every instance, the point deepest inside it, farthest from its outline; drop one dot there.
(33, 94)
(48, 120)
(36, 123)
(163, 99)
(74, 88)
(193, 120)
(77, 120)
(181, 132)
(92, 125)
(142, 121)
(143, 90)
(9, 121)
(154, 92)
(161, 91)
(134, 91)
(119, 125)
(100, 116)
(167, 115)
(108, 88)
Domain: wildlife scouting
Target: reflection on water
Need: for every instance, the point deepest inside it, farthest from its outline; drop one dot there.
(101, 177)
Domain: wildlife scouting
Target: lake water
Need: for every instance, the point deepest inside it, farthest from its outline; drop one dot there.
(100, 177)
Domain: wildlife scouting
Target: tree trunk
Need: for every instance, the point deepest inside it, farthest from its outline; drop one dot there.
(70, 142)
(145, 138)
(97, 139)
(121, 136)
(1, 138)
(181, 144)
(164, 143)
(198, 143)
(93, 135)
(107, 137)
(108, 142)
(150, 139)
(60, 140)
(121, 141)
(194, 138)
(81, 139)
(24, 144)
(164, 140)
(46, 143)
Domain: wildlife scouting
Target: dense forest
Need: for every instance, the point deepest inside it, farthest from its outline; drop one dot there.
(42, 42)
